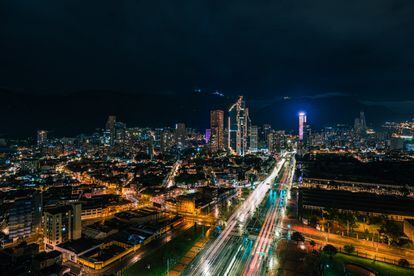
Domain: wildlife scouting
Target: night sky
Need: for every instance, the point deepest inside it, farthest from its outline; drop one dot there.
(262, 49)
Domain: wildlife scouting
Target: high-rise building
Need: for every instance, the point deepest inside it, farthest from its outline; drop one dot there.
(61, 224)
(22, 213)
(238, 126)
(110, 130)
(180, 135)
(253, 133)
(276, 141)
(357, 124)
(120, 132)
(207, 136)
(166, 140)
(302, 124)
(362, 120)
(216, 130)
(41, 137)
(272, 142)
(360, 125)
(110, 123)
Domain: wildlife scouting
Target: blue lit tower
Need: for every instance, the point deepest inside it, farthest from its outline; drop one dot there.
(302, 124)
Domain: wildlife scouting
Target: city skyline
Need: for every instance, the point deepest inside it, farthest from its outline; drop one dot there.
(228, 138)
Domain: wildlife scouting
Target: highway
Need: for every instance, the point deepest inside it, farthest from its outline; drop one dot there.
(227, 253)
(263, 243)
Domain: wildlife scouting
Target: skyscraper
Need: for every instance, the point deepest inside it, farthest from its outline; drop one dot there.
(238, 126)
(362, 120)
(180, 135)
(110, 130)
(110, 123)
(360, 125)
(41, 137)
(207, 136)
(253, 138)
(166, 140)
(216, 130)
(302, 123)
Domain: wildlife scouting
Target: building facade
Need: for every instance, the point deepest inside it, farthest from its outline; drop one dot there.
(41, 137)
(61, 224)
(216, 130)
(180, 135)
(238, 127)
(253, 138)
(302, 124)
(22, 214)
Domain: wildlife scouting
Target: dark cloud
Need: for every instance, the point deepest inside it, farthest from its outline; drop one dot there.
(260, 48)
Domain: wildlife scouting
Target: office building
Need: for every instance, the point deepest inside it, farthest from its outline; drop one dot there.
(180, 136)
(207, 136)
(238, 127)
(360, 124)
(362, 120)
(41, 137)
(110, 131)
(167, 140)
(217, 130)
(302, 124)
(253, 138)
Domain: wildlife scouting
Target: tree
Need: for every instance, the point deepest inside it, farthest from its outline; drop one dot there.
(312, 243)
(296, 236)
(349, 248)
(403, 263)
(330, 250)
(391, 230)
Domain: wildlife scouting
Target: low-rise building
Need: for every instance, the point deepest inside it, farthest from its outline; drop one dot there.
(408, 228)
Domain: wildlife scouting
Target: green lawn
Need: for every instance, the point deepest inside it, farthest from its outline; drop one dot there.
(335, 266)
(156, 262)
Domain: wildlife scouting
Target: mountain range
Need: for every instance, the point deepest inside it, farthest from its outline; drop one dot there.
(68, 114)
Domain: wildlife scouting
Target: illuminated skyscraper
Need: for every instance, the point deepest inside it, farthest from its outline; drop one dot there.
(216, 130)
(166, 140)
(41, 137)
(302, 124)
(238, 127)
(207, 136)
(253, 138)
(180, 135)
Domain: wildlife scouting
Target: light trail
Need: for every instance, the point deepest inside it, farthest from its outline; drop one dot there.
(266, 234)
(205, 263)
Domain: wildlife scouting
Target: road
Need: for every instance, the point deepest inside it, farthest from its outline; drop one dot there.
(169, 180)
(220, 257)
(259, 257)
